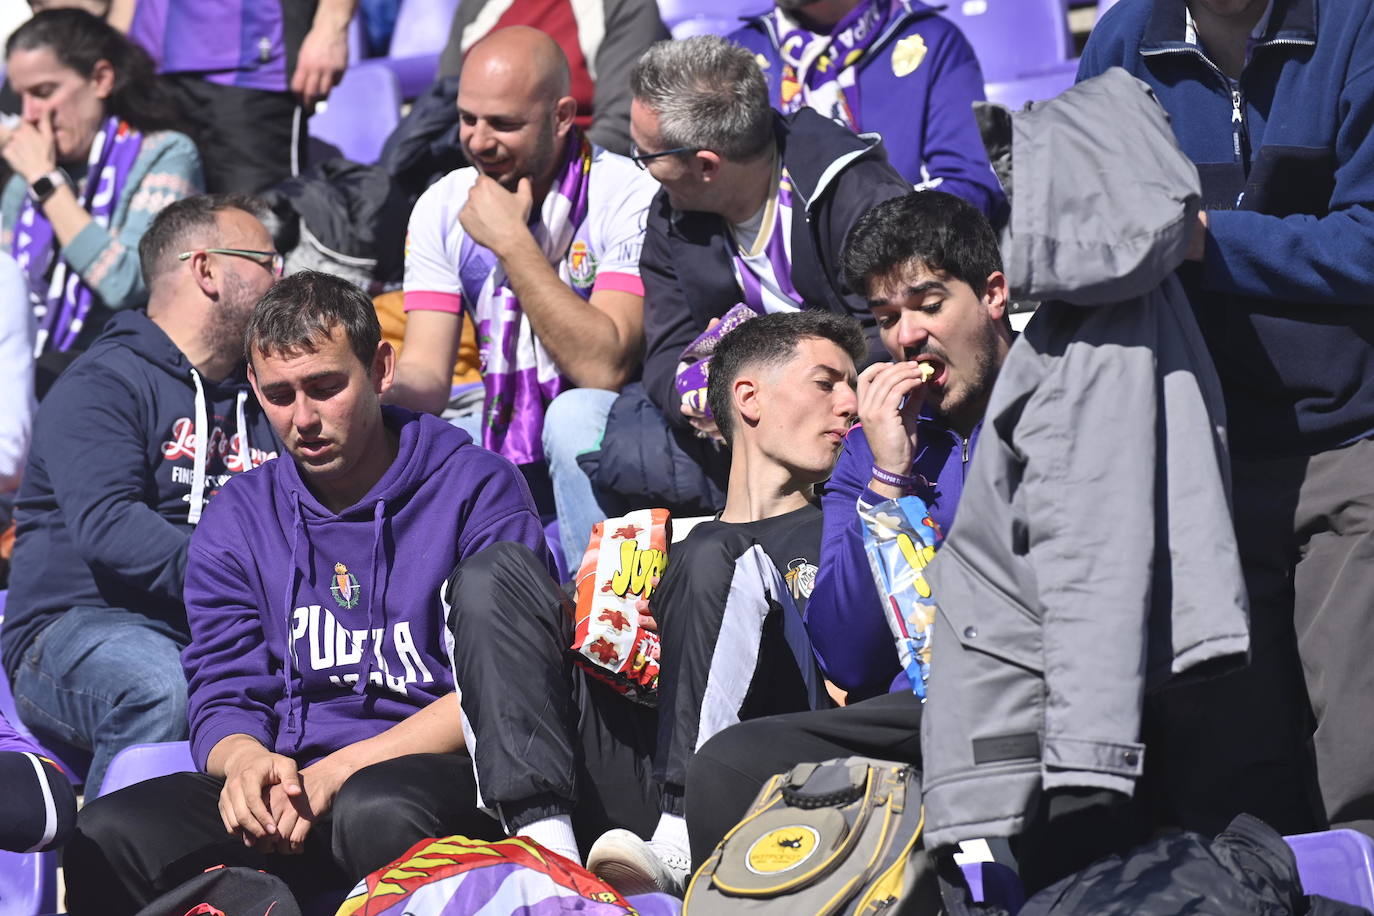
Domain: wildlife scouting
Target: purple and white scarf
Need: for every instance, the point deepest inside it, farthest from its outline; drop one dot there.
(758, 297)
(61, 299)
(520, 376)
(818, 71)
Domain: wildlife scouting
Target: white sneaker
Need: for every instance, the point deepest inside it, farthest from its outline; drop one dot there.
(632, 866)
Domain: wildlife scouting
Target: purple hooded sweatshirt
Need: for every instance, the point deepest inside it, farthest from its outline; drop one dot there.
(313, 630)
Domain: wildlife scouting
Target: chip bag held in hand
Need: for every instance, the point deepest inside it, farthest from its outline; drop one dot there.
(900, 539)
(694, 367)
(622, 561)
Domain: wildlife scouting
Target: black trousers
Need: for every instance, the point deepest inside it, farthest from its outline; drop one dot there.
(38, 807)
(134, 844)
(546, 739)
(249, 139)
(549, 739)
(1288, 739)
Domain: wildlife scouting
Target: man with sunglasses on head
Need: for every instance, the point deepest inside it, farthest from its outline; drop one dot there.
(129, 446)
(753, 209)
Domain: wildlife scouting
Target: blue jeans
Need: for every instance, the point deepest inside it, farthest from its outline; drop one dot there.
(102, 679)
(573, 424)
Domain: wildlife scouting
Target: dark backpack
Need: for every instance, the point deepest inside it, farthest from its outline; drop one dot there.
(226, 891)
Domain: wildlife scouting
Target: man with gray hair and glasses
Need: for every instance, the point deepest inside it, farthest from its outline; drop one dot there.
(753, 210)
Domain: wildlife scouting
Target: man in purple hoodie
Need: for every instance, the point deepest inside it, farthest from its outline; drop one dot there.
(323, 717)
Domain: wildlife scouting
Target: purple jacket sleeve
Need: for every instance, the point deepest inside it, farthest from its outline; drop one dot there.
(843, 614)
(231, 687)
(952, 148)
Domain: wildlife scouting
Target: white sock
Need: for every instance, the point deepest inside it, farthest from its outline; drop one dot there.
(555, 833)
(670, 836)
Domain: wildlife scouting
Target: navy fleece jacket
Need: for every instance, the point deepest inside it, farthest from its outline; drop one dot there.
(312, 630)
(112, 487)
(1286, 159)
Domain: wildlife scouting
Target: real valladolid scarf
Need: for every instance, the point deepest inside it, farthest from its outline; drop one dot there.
(818, 70)
(61, 299)
(520, 376)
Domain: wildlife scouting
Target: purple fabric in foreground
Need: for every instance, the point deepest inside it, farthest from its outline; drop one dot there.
(230, 42)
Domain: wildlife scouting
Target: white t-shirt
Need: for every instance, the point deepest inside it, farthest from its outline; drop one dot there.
(604, 253)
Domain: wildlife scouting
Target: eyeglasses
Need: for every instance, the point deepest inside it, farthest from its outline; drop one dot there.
(639, 158)
(269, 259)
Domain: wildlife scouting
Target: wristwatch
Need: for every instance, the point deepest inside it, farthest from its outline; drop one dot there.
(45, 186)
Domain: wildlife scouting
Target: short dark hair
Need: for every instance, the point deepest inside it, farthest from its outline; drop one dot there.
(301, 311)
(944, 233)
(172, 229)
(772, 340)
(80, 40)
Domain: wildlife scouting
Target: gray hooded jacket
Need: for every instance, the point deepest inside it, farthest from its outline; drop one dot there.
(1094, 558)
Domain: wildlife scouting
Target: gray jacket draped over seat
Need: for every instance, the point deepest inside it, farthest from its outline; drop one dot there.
(1093, 557)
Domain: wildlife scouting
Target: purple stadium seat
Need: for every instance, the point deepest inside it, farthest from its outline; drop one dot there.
(361, 113)
(655, 904)
(724, 14)
(1013, 38)
(703, 25)
(1336, 863)
(147, 761)
(28, 883)
(1016, 93)
(422, 28)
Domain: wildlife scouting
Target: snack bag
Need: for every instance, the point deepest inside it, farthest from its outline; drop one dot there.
(900, 539)
(623, 558)
(694, 366)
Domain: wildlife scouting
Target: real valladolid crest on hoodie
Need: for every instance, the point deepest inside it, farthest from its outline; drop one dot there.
(314, 629)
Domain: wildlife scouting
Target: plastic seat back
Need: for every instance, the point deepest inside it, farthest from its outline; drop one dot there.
(147, 761)
(1013, 38)
(1336, 863)
(28, 883)
(361, 113)
(422, 27)
(1016, 93)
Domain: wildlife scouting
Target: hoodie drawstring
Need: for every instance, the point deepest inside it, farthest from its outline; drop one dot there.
(241, 419)
(202, 435)
(366, 665)
(289, 662)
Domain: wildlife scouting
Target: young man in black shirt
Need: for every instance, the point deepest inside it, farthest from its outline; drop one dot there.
(729, 610)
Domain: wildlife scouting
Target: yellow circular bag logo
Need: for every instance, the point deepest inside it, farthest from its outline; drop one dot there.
(781, 850)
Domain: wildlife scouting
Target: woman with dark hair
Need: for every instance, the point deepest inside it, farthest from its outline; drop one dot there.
(95, 158)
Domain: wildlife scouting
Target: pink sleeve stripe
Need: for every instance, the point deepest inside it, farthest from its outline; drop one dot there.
(421, 301)
(620, 283)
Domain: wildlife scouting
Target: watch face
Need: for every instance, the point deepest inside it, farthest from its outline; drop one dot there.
(42, 189)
